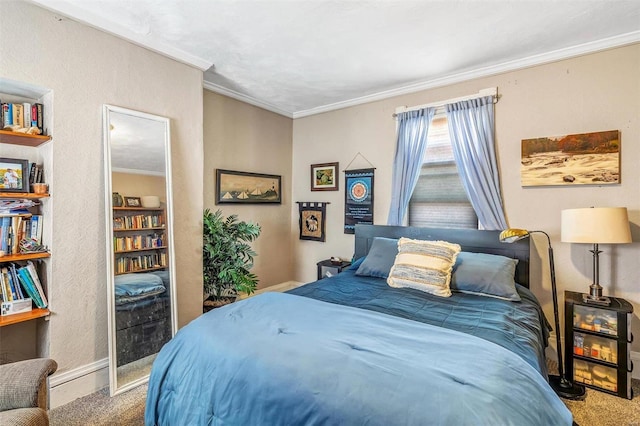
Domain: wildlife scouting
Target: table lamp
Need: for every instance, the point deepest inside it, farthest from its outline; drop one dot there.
(560, 384)
(601, 225)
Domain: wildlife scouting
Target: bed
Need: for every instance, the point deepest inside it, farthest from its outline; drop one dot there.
(353, 350)
(143, 315)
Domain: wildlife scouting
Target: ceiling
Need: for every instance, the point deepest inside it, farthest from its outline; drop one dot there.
(303, 57)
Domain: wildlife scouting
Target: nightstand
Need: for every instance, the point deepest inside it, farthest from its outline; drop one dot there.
(326, 268)
(598, 344)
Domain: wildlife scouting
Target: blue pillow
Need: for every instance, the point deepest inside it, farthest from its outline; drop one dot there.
(485, 275)
(380, 259)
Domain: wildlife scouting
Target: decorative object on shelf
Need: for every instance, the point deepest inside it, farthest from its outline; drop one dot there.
(560, 384)
(247, 188)
(14, 176)
(150, 201)
(583, 159)
(117, 200)
(324, 177)
(358, 206)
(40, 188)
(227, 258)
(312, 221)
(599, 225)
(132, 202)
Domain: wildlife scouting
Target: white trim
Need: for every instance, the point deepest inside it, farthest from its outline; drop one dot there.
(138, 172)
(556, 55)
(79, 382)
(246, 99)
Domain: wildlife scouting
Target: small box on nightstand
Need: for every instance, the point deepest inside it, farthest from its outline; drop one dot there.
(328, 268)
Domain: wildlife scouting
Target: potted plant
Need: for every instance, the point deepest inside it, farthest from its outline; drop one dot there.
(227, 258)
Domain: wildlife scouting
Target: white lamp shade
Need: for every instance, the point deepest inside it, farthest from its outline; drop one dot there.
(599, 225)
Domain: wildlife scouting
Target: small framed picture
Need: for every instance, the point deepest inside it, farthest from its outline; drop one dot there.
(132, 202)
(14, 175)
(324, 177)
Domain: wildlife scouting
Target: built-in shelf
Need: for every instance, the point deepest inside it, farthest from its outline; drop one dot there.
(157, 268)
(30, 195)
(141, 249)
(25, 316)
(148, 209)
(22, 139)
(25, 256)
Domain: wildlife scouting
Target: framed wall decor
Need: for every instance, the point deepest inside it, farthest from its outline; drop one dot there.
(358, 194)
(247, 188)
(14, 175)
(324, 177)
(312, 221)
(132, 202)
(581, 159)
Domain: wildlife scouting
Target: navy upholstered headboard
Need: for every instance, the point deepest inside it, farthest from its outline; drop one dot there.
(470, 240)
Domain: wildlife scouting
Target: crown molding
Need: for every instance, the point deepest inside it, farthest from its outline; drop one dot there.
(553, 56)
(75, 13)
(246, 99)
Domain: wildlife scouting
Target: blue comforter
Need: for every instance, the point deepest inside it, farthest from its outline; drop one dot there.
(518, 326)
(282, 359)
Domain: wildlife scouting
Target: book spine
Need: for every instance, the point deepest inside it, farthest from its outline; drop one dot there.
(40, 117)
(26, 111)
(23, 275)
(18, 115)
(8, 115)
(36, 280)
(14, 277)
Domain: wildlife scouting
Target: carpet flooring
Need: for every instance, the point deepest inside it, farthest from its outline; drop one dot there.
(127, 409)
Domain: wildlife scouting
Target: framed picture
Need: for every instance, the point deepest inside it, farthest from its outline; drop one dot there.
(247, 188)
(14, 175)
(581, 159)
(324, 177)
(132, 202)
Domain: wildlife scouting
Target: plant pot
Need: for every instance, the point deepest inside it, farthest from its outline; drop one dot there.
(211, 303)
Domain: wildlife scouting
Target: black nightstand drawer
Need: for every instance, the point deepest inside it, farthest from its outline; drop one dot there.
(597, 349)
(327, 268)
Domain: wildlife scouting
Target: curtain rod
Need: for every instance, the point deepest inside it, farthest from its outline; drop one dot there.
(491, 91)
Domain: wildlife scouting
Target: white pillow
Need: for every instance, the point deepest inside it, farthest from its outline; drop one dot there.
(424, 265)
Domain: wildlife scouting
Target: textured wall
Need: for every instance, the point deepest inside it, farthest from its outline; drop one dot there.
(238, 136)
(86, 68)
(131, 185)
(590, 93)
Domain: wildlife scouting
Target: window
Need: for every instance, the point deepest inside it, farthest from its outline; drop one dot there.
(439, 199)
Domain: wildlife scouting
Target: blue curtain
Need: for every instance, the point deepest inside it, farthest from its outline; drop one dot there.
(411, 145)
(471, 126)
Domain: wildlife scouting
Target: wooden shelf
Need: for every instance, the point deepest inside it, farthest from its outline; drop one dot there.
(29, 195)
(158, 268)
(25, 316)
(148, 209)
(25, 256)
(142, 249)
(140, 229)
(22, 138)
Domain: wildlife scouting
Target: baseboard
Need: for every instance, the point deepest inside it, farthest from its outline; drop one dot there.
(73, 384)
(287, 285)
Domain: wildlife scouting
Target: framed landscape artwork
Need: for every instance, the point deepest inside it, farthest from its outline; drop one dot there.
(324, 177)
(582, 159)
(247, 188)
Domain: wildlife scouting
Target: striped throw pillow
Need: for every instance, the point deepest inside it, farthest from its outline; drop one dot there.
(424, 266)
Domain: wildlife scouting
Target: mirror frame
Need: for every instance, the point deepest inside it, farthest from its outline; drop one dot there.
(114, 389)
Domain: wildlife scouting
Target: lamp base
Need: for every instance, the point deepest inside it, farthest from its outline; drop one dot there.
(596, 300)
(566, 389)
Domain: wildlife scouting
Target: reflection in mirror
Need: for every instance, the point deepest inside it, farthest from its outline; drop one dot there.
(140, 270)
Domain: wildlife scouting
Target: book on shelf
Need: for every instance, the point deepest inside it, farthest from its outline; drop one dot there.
(40, 117)
(24, 114)
(27, 281)
(7, 114)
(18, 115)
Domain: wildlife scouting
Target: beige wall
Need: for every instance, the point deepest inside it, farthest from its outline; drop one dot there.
(238, 136)
(590, 93)
(85, 69)
(134, 185)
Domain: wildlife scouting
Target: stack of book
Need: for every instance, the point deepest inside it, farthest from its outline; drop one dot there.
(16, 230)
(20, 287)
(23, 115)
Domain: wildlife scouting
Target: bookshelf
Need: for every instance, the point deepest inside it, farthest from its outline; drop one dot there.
(19, 258)
(139, 239)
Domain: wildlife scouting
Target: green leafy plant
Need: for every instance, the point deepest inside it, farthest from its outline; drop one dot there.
(227, 255)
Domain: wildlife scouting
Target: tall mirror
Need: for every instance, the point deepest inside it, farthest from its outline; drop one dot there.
(140, 262)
